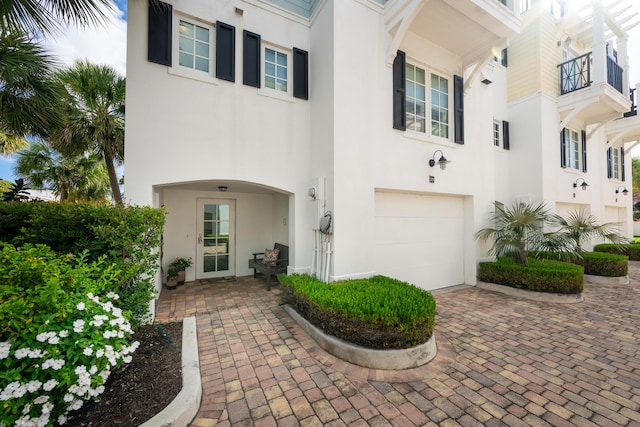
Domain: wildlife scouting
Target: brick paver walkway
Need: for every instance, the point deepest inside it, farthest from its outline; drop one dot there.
(501, 361)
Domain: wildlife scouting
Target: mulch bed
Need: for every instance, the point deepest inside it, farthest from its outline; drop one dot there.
(139, 390)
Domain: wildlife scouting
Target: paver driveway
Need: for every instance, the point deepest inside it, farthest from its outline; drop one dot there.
(501, 361)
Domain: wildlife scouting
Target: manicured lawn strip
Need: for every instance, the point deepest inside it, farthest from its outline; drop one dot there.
(541, 275)
(377, 313)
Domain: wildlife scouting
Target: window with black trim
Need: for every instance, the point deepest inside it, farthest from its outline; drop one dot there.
(615, 163)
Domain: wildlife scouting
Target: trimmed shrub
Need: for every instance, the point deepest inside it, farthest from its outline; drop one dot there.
(128, 236)
(632, 250)
(377, 313)
(61, 333)
(594, 263)
(541, 275)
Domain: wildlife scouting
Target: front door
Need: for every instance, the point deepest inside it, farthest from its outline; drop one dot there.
(215, 252)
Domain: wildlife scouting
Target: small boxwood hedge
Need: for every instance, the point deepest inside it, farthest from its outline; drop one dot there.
(376, 313)
(632, 250)
(541, 275)
(594, 263)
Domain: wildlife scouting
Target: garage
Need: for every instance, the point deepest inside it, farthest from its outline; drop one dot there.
(419, 238)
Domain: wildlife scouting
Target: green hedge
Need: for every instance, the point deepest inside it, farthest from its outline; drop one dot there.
(378, 313)
(594, 263)
(632, 250)
(128, 236)
(541, 275)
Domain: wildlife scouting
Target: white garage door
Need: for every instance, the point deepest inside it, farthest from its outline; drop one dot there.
(419, 239)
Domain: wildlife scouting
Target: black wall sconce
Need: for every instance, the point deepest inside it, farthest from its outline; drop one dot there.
(222, 188)
(584, 184)
(624, 191)
(442, 161)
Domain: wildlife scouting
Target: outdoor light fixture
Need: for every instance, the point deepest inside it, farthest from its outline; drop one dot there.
(442, 161)
(222, 188)
(624, 191)
(312, 192)
(584, 184)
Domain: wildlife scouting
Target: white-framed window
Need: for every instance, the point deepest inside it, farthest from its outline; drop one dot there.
(496, 133)
(572, 148)
(276, 69)
(421, 83)
(615, 163)
(195, 45)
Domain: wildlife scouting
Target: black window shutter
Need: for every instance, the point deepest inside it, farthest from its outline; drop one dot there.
(563, 150)
(159, 33)
(251, 58)
(622, 177)
(458, 108)
(609, 165)
(505, 135)
(399, 87)
(300, 73)
(584, 151)
(505, 60)
(225, 51)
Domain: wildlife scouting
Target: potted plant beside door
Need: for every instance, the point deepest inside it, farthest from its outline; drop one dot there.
(172, 278)
(180, 265)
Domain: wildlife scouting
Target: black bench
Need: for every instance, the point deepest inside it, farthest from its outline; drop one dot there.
(268, 269)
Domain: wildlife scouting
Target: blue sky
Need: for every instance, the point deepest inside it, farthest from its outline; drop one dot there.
(111, 39)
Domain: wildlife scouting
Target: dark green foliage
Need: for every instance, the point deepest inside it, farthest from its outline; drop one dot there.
(541, 275)
(17, 192)
(632, 250)
(127, 236)
(378, 313)
(604, 264)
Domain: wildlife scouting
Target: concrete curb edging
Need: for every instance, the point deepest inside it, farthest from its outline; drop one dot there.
(604, 280)
(369, 358)
(532, 295)
(183, 409)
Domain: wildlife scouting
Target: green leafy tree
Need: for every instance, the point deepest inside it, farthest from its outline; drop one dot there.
(50, 16)
(635, 171)
(17, 193)
(520, 228)
(93, 116)
(4, 186)
(75, 178)
(581, 226)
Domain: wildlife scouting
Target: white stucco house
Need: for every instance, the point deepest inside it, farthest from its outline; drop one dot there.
(249, 120)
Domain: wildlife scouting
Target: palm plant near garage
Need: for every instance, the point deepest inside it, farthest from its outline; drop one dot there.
(521, 228)
(580, 226)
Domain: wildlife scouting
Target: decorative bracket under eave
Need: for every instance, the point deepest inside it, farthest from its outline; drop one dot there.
(397, 21)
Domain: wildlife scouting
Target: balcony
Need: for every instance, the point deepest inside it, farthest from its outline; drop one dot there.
(473, 30)
(627, 128)
(591, 101)
(634, 106)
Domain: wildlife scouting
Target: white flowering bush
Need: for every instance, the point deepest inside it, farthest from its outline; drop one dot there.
(61, 334)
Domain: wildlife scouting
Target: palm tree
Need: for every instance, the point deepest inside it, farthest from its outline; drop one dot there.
(27, 94)
(94, 116)
(77, 178)
(520, 228)
(49, 16)
(581, 226)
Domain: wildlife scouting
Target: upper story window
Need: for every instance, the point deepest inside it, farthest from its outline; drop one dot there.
(194, 47)
(415, 88)
(416, 101)
(571, 147)
(275, 70)
(496, 133)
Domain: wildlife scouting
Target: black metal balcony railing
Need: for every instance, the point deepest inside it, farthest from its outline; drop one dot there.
(575, 73)
(614, 74)
(634, 104)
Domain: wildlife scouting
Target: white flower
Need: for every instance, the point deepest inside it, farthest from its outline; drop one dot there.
(100, 353)
(62, 419)
(127, 359)
(5, 346)
(63, 334)
(36, 353)
(80, 306)
(88, 351)
(50, 385)
(113, 295)
(54, 340)
(93, 369)
(33, 386)
(41, 399)
(78, 325)
(21, 353)
(54, 364)
(68, 397)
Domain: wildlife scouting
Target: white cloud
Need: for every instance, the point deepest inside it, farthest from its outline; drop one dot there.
(106, 44)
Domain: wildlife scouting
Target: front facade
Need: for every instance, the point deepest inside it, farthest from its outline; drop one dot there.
(251, 120)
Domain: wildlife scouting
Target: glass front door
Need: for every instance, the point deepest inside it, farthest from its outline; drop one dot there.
(215, 250)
